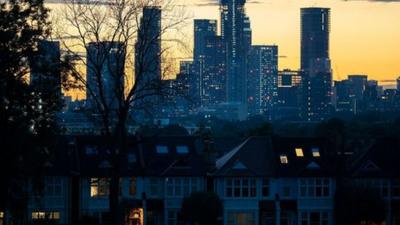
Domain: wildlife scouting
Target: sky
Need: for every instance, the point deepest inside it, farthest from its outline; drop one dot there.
(365, 34)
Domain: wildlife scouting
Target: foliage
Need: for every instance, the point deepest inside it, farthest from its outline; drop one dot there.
(202, 208)
(27, 124)
(356, 204)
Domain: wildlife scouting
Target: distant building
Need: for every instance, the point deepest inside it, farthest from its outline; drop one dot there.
(288, 101)
(236, 32)
(344, 102)
(358, 84)
(45, 75)
(315, 64)
(398, 84)
(262, 80)
(105, 75)
(148, 60)
(204, 30)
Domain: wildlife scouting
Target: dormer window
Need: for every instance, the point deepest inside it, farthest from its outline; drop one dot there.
(299, 152)
(284, 159)
(162, 149)
(315, 152)
(182, 149)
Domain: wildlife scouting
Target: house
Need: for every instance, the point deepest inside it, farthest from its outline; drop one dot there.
(276, 181)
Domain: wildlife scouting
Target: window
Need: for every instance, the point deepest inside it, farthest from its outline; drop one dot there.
(1, 217)
(162, 149)
(182, 186)
(155, 185)
(99, 187)
(182, 149)
(172, 217)
(314, 218)
(91, 150)
(314, 187)
(240, 187)
(315, 152)
(41, 215)
(241, 218)
(265, 189)
(299, 152)
(53, 186)
(284, 159)
(132, 186)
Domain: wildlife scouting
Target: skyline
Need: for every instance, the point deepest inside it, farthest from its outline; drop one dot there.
(349, 34)
(362, 39)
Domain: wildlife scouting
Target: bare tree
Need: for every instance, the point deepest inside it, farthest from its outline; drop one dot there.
(125, 63)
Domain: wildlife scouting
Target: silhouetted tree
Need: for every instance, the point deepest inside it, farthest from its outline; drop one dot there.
(27, 121)
(355, 205)
(123, 79)
(202, 208)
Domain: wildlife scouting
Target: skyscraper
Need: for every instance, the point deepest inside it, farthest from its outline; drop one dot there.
(105, 75)
(262, 82)
(148, 57)
(236, 32)
(315, 64)
(204, 31)
(45, 76)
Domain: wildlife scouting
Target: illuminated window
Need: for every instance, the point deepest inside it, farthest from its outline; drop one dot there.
(299, 152)
(41, 215)
(284, 159)
(315, 152)
(99, 187)
(1, 218)
(136, 216)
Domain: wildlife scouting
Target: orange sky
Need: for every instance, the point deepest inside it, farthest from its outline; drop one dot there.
(365, 35)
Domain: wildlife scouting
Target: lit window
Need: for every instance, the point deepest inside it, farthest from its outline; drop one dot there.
(41, 215)
(99, 187)
(162, 149)
(315, 152)
(284, 159)
(299, 152)
(182, 149)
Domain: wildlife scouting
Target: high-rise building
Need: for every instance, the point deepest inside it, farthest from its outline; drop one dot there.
(105, 75)
(213, 80)
(344, 102)
(45, 75)
(315, 64)
(148, 57)
(236, 32)
(204, 30)
(287, 104)
(358, 84)
(262, 80)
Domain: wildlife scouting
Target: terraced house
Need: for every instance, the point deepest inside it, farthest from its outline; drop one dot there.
(261, 181)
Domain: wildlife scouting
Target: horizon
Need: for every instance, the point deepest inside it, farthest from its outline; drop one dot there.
(358, 27)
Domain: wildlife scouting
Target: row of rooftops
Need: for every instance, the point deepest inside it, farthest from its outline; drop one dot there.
(265, 156)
